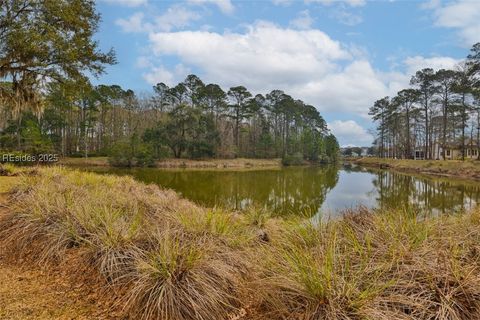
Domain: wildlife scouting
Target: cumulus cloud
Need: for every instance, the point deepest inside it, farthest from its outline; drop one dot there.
(350, 133)
(306, 63)
(132, 24)
(265, 55)
(144, 62)
(127, 3)
(462, 15)
(351, 89)
(158, 74)
(302, 21)
(413, 64)
(225, 6)
(174, 17)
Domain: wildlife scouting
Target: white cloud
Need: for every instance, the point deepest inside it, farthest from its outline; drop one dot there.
(127, 3)
(303, 20)
(175, 17)
(353, 3)
(132, 24)
(225, 6)
(264, 57)
(143, 62)
(351, 89)
(305, 63)
(462, 15)
(162, 74)
(159, 74)
(350, 133)
(413, 64)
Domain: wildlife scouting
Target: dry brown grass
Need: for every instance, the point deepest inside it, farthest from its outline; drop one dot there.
(384, 265)
(27, 294)
(164, 258)
(6, 183)
(469, 169)
(133, 236)
(85, 162)
(239, 163)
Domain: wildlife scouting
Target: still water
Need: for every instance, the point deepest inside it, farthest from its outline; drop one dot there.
(325, 190)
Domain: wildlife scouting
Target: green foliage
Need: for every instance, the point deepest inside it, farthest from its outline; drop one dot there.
(293, 160)
(186, 131)
(34, 142)
(25, 136)
(46, 40)
(144, 155)
(332, 148)
(432, 116)
(131, 154)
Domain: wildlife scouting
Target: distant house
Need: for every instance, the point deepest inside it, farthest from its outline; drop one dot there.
(419, 154)
(453, 151)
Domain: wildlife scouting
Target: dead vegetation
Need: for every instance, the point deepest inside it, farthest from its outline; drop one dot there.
(162, 257)
(468, 169)
(237, 163)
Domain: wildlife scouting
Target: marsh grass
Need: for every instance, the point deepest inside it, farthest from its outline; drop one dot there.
(384, 265)
(157, 248)
(11, 170)
(166, 258)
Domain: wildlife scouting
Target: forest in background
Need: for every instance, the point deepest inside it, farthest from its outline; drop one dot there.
(440, 111)
(48, 104)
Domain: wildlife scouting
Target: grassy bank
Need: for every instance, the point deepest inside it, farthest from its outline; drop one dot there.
(465, 169)
(238, 163)
(160, 256)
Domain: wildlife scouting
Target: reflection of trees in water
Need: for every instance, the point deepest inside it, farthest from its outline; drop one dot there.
(300, 189)
(283, 191)
(437, 195)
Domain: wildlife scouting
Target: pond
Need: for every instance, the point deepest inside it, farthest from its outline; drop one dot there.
(322, 190)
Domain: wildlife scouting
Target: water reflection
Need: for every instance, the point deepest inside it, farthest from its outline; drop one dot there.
(438, 194)
(325, 190)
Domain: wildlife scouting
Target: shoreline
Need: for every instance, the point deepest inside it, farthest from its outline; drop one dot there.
(172, 163)
(468, 169)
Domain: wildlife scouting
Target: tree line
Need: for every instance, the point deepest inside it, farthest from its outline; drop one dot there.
(48, 104)
(439, 111)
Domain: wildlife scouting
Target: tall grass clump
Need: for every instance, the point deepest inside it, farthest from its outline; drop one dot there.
(9, 169)
(164, 254)
(395, 264)
(178, 278)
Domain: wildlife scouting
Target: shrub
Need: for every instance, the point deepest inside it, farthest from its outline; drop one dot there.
(123, 154)
(293, 160)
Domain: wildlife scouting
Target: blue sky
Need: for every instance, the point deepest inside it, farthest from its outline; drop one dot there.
(339, 56)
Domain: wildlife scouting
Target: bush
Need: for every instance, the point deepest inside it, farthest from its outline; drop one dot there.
(293, 160)
(123, 154)
(144, 156)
